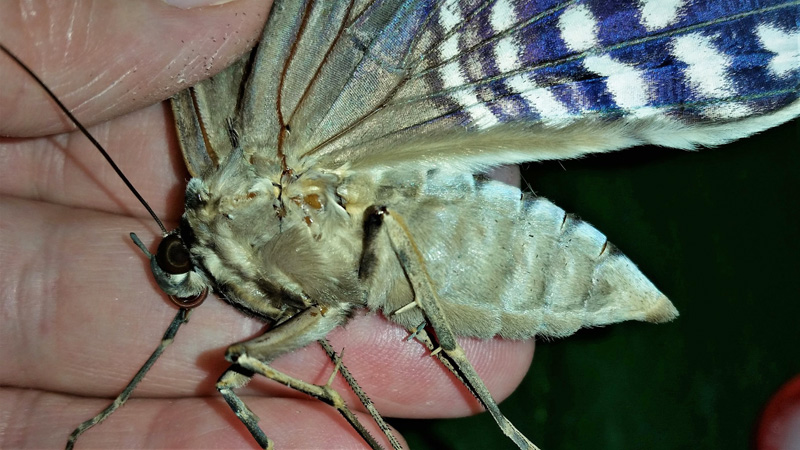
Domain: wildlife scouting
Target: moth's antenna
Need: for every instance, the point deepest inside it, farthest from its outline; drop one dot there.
(88, 136)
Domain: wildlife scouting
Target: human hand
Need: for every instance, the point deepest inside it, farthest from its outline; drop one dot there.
(81, 311)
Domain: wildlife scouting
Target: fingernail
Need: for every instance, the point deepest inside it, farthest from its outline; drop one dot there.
(189, 4)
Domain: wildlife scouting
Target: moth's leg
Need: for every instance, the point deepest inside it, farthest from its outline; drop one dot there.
(234, 378)
(422, 336)
(362, 396)
(249, 358)
(425, 297)
(180, 318)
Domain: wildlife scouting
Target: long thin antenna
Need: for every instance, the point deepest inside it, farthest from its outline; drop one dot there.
(88, 136)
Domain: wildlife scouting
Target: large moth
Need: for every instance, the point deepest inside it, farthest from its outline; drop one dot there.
(792, 10)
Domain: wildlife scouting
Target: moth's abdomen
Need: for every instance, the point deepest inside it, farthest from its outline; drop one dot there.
(566, 275)
(518, 266)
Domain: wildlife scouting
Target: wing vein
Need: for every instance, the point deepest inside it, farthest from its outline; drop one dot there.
(279, 96)
(324, 59)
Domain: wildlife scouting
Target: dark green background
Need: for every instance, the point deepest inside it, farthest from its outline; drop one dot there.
(716, 231)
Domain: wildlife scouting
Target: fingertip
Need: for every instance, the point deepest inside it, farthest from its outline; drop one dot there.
(111, 58)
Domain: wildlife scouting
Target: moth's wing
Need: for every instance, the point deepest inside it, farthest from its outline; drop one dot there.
(309, 55)
(473, 84)
(205, 118)
(245, 106)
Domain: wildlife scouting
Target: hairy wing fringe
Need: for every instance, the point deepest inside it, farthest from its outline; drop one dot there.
(475, 151)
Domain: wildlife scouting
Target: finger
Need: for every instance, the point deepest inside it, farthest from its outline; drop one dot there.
(103, 59)
(83, 302)
(32, 419)
(66, 169)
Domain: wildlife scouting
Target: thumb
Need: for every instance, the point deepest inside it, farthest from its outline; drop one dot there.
(104, 59)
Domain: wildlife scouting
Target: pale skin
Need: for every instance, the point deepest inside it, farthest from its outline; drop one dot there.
(80, 311)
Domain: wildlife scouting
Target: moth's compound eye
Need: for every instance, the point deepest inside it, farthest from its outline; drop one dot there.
(172, 256)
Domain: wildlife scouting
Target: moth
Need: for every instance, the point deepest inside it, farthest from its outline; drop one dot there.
(484, 108)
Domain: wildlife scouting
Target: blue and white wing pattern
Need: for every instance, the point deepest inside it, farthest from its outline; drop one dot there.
(509, 81)
(473, 84)
(696, 63)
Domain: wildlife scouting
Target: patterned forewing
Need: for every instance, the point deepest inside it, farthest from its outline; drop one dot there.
(661, 70)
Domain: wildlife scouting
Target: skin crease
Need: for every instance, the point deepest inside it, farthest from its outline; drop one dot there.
(80, 311)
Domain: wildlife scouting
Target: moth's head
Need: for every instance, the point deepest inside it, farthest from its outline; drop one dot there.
(220, 209)
(228, 214)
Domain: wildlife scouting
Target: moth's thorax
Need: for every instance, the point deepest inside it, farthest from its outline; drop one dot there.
(272, 248)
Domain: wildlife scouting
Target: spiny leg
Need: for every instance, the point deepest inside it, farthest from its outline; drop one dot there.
(181, 318)
(241, 373)
(251, 357)
(413, 264)
(233, 378)
(422, 336)
(362, 396)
